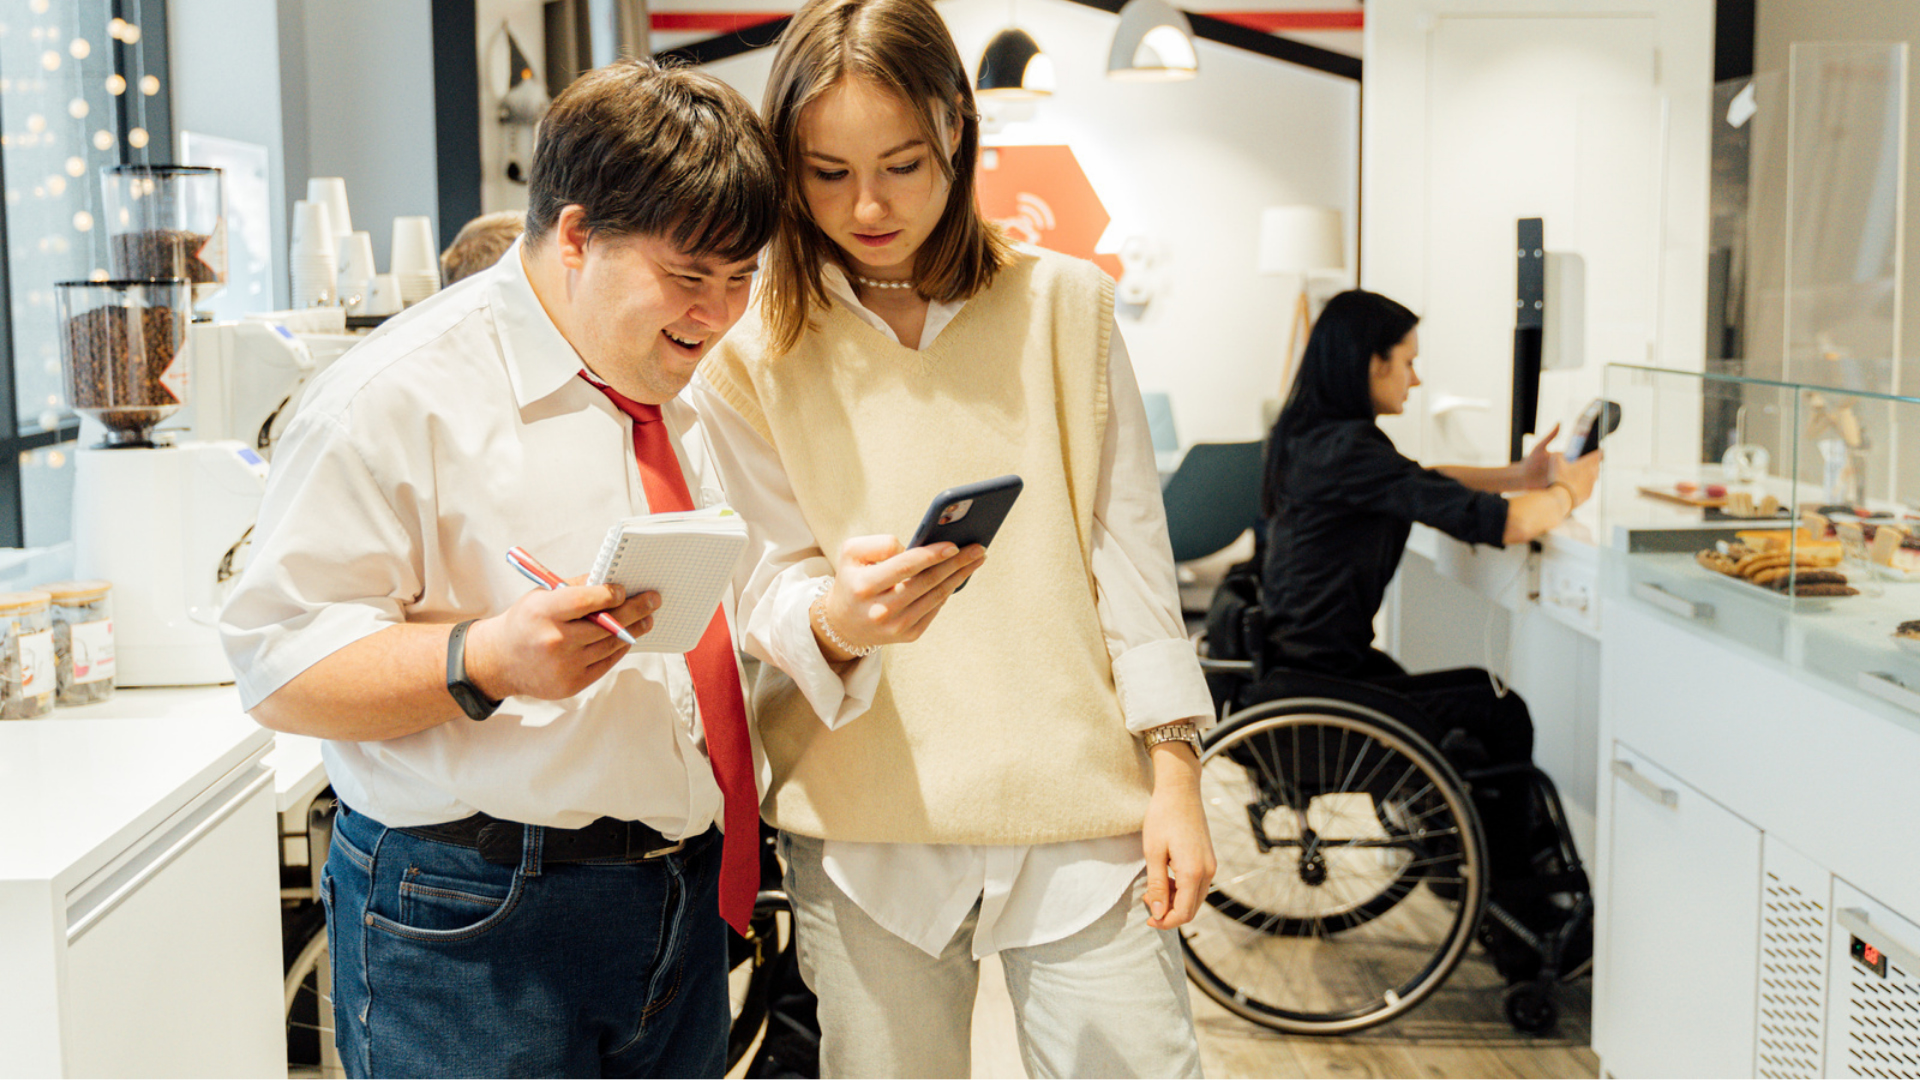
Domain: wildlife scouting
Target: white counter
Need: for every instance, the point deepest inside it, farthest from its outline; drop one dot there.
(139, 913)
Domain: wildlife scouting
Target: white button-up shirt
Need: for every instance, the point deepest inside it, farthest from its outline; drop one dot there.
(459, 430)
(1028, 895)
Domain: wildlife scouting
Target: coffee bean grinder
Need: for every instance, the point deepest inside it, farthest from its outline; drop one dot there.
(166, 523)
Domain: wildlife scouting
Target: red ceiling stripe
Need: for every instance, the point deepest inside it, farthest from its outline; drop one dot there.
(727, 22)
(1275, 21)
(713, 22)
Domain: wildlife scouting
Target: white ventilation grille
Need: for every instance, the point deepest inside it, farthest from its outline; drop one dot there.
(1793, 969)
(1879, 1030)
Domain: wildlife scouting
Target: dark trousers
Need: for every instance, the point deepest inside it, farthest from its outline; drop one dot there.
(447, 965)
(1477, 730)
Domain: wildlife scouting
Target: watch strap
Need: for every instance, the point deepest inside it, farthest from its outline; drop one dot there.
(1185, 731)
(476, 705)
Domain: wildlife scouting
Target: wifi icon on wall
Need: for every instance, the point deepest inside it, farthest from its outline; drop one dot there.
(1040, 196)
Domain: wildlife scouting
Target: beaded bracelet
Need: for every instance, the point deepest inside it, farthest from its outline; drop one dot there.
(826, 628)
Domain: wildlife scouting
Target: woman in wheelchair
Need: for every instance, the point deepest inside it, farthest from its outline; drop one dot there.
(1386, 808)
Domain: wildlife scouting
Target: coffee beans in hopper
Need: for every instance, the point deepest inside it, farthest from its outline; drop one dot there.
(162, 253)
(117, 366)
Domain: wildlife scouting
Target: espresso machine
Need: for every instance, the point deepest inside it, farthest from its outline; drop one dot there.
(166, 522)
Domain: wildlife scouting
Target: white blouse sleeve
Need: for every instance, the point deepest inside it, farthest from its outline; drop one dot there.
(1154, 666)
(784, 567)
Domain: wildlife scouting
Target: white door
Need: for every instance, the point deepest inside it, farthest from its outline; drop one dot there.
(1683, 900)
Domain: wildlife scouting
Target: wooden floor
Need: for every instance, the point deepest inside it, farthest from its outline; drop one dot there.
(1458, 1032)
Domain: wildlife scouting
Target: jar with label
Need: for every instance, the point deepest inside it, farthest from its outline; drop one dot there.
(27, 670)
(82, 640)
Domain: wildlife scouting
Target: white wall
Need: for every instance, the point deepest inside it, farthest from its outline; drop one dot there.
(1191, 165)
(228, 80)
(330, 87)
(1590, 113)
(369, 110)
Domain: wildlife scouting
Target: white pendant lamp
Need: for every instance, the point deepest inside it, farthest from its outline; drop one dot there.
(1154, 44)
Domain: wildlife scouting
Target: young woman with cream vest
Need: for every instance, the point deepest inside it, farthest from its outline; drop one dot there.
(1010, 770)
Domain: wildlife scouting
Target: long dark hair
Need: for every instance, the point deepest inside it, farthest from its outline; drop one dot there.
(1334, 382)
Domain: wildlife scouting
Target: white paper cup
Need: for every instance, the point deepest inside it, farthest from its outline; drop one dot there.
(332, 191)
(384, 299)
(313, 229)
(414, 251)
(356, 257)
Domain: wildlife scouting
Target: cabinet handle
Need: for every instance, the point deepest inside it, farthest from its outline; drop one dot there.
(1664, 796)
(1889, 689)
(1858, 923)
(1673, 605)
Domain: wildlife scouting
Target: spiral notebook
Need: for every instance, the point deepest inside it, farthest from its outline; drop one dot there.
(687, 557)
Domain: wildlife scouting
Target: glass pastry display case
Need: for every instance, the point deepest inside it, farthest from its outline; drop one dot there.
(1780, 517)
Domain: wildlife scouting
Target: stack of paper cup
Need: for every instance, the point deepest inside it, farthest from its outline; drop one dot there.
(312, 255)
(332, 191)
(416, 261)
(356, 271)
(384, 297)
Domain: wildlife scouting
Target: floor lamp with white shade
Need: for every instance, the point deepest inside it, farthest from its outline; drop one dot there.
(1300, 240)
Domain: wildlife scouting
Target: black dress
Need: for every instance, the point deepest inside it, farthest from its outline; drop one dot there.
(1347, 501)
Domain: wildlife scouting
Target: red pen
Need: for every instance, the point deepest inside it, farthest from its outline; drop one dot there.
(548, 580)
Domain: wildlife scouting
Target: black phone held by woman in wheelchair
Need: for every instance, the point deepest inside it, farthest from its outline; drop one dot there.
(1596, 422)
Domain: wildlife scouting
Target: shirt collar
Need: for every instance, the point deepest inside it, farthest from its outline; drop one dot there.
(539, 358)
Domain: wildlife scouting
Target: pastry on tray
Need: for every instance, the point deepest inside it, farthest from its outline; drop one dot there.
(1808, 573)
(1910, 630)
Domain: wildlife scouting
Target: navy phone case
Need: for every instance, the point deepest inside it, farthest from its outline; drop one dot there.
(969, 514)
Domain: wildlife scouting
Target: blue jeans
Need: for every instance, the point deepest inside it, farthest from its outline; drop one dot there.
(447, 965)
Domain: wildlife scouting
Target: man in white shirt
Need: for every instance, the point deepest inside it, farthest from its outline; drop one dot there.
(527, 876)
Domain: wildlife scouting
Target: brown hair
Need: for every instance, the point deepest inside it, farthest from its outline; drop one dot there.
(480, 244)
(898, 45)
(655, 151)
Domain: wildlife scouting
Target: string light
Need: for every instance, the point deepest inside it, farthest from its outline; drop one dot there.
(116, 85)
(80, 48)
(137, 138)
(149, 85)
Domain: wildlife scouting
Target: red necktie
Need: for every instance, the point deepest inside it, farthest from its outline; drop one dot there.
(716, 678)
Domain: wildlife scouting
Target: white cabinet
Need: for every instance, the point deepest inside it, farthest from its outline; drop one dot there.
(1684, 910)
(1755, 824)
(1873, 989)
(139, 900)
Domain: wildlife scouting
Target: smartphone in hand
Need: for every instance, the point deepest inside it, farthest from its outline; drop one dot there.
(969, 514)
(1596, 422)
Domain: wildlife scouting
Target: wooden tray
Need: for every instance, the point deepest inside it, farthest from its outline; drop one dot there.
(1699, 499)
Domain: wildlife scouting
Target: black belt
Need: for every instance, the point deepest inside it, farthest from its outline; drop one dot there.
(499, 842)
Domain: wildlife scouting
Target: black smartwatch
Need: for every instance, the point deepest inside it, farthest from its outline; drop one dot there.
(475, 704)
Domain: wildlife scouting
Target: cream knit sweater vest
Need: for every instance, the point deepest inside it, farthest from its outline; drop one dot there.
(1000, 725)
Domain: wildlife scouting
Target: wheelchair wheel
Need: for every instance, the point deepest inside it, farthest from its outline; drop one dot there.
(1349, 880)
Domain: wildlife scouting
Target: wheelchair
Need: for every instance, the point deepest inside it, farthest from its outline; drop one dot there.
(1352, 863)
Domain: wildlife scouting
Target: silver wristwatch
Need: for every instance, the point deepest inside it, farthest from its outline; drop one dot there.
(1185, 732)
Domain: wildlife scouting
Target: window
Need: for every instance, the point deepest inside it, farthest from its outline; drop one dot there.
(83, 85)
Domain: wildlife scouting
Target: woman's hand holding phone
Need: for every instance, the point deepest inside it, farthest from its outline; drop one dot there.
(884, 594)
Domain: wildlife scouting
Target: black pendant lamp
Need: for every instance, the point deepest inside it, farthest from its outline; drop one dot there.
(1014, 69)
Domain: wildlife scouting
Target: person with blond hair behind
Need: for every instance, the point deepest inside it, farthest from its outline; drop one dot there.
(1006, 770)
(480, 243)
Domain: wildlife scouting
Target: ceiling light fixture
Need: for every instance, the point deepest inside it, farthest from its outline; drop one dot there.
(1153, 44)
(1014, 69)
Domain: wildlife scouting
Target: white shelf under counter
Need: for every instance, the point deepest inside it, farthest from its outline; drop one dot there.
(139, 899)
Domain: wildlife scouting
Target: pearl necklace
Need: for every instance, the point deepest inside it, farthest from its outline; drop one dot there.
(872, 284)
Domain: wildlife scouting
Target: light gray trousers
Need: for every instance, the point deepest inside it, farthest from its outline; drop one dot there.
(1109, 1001)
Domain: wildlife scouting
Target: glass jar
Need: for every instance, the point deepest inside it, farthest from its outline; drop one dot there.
(27, 670)
(82, 640)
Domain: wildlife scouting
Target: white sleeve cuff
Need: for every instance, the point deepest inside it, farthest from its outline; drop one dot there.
(836, 696)
(1160, 683)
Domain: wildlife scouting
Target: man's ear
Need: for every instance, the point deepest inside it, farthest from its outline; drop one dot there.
(571, 236)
